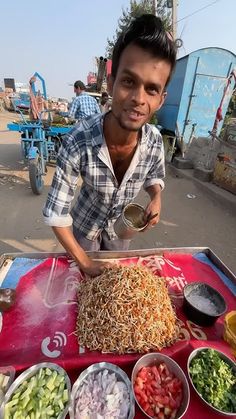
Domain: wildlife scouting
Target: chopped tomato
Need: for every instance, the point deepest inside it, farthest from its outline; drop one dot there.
(173, 414)
(143, 373)
(139, 382)
(156, 374)
(158, 391)
(150, 411)
(137, 390)
(172, 402)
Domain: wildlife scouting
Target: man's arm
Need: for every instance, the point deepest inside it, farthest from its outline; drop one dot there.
(154, 183)
(70, 244)
(57, 208)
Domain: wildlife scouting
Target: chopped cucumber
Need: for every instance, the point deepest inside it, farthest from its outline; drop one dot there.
(43, 395)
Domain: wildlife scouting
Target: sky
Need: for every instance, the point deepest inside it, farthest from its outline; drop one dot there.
(60, 38)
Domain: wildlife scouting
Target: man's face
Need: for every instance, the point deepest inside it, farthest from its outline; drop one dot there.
(139, 87)
(77, 91)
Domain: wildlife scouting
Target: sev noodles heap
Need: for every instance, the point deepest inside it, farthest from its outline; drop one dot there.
(126, 309)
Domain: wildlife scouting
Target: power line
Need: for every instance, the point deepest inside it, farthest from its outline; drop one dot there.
(199, 10)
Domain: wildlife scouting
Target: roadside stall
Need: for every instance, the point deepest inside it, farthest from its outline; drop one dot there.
(42, 326)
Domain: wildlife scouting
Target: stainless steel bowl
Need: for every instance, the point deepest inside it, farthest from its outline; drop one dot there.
(229, 361)
(30, 372)
(96, 368)
(203, 304)
(130, 221)
(156, 358)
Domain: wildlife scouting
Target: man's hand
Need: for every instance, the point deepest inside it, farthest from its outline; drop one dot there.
(154, 207)
(70, 244)
(95, 268)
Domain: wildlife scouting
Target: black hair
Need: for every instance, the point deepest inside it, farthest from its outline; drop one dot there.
(79, 84)
(147, 32)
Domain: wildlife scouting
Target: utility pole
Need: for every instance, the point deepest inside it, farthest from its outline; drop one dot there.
(154, 7)
(172, 4)
(174, 18)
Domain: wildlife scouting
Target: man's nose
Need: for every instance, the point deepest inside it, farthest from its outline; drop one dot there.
(138, 95)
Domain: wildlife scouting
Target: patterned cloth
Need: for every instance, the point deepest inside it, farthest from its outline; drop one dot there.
(101, 199)
(83, 106)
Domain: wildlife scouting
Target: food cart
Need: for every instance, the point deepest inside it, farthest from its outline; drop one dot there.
(40, 326)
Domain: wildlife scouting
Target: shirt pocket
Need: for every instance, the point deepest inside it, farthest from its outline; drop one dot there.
(133, 186)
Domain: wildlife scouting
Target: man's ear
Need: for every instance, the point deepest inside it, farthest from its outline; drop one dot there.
(163, 98)
(110, 82)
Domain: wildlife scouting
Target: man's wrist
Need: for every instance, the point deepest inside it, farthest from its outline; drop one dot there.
(154, 192)
(84, 262)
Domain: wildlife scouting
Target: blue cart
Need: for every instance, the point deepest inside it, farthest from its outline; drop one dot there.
(40, 143)
(40, 140)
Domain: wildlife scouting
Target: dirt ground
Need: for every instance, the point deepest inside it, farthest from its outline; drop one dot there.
(190, 216)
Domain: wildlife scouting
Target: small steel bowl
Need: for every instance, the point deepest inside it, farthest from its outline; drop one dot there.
(30, 372)
(202, 303)
(156, 358)
(229, 361)
(96, 368)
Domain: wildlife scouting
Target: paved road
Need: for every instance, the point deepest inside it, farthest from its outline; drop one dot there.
(198, 221)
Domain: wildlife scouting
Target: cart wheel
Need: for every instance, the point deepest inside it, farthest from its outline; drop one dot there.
(35, 176)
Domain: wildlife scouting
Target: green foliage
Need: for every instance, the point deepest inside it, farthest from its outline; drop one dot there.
(137, 8)
(154, 119)
(231, 113)
(232, 106)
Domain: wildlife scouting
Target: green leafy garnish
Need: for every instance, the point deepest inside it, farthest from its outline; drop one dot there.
(214, 379)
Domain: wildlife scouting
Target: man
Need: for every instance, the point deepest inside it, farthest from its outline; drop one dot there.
(83, 105)
(115, 153)
(105, 104)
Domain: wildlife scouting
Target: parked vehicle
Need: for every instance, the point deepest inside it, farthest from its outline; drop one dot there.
(198, 95)
(40, 139)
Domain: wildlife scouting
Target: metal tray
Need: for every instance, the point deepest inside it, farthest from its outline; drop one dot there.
(7, 258)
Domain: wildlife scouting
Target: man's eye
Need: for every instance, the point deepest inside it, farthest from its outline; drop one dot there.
(127, 82)
(152, 91)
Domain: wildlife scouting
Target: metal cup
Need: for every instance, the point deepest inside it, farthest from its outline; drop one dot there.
(130, 222)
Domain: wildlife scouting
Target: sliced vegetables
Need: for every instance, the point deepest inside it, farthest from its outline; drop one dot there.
(102, 395)
(44, 395)
(158, 391)
(214, 379)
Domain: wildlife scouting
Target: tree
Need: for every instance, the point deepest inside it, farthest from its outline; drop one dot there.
(137, 8)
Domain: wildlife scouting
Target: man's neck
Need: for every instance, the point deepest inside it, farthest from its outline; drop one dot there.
(115, 135)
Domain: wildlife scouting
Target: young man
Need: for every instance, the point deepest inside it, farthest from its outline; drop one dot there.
(115, 153)
(83, 105)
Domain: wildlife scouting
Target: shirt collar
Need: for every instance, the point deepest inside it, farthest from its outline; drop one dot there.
(146, 140)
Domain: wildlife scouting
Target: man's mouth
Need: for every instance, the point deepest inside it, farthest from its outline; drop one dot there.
(134, 115)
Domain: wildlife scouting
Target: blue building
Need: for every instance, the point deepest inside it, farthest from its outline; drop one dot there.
(196, 91)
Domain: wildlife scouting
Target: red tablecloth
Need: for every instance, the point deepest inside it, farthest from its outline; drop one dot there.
(40, 327)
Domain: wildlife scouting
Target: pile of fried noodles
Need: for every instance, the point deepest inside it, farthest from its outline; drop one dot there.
(126, 309)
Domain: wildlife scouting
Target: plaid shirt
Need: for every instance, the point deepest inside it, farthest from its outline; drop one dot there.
(101, 199)
(83, 106)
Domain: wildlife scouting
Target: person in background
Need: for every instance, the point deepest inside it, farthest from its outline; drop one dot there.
(115, 153)
(83, 105)
(105, 104)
